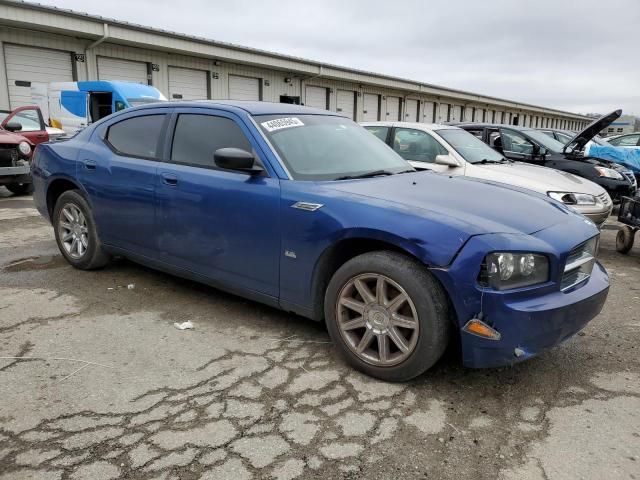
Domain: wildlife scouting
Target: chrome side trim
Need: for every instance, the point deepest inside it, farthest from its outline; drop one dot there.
(309, 207)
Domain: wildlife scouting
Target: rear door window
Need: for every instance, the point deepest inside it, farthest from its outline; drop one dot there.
(197, 137)
(137, 137)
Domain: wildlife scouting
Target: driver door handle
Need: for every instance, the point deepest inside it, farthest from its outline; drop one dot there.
(169, 179)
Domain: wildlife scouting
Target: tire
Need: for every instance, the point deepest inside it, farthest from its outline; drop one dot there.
(89, 255)
(624, 239)
(20, 188)
(427, 307)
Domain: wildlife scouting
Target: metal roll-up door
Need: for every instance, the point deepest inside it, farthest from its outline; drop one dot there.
(244, 88)
(125, 70)
(346, 103)
(187, 84)
(371, 107)
(27, 65)
(316, 97)
(412, 110)
(428, 112)
(443, 113)
(468, 114)
(456, 114)
(393, 109)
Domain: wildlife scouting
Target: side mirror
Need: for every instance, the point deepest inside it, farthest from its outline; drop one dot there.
(13, 127)
(447, 160)
(236, 159)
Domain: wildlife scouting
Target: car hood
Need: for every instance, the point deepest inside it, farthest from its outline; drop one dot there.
(591, 130)
(534, 177)
(475, 206)
(11, 138)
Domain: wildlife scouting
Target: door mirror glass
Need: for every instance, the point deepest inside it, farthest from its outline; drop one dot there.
(236, 159)
(447, 160)
(119, 105)
(13, 127)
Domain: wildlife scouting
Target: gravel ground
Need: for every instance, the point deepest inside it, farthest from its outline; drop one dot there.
(110, 389)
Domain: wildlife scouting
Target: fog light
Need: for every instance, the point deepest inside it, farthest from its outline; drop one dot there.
(481, 329)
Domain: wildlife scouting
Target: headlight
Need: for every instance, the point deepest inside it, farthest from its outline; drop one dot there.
(608, 173)
(25, 148)
(506, 270)
(569, 198)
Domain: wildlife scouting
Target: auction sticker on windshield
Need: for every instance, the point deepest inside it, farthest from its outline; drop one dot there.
(280, 123)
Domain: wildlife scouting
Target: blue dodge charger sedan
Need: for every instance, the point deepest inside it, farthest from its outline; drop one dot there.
(306, 211)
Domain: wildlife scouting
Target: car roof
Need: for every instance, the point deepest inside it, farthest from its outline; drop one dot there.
(429, 127)
(493, 125)
(251, 107)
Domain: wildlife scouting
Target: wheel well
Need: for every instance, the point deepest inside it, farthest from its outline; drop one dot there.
(334, 257)
(57, 188)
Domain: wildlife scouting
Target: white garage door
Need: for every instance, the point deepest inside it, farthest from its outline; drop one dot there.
(244, 88)
(411, 110)
(118, 69)
(393, 109)
(428, 111)
(468, 114)
(316, 97)
(26, 65)
(346, 101)
(443, 113)
(187, 84)
(371, 107)
(456, 113)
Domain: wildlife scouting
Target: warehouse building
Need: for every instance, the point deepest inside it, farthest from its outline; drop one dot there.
(44, 44)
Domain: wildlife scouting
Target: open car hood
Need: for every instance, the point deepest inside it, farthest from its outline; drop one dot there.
(591, 130)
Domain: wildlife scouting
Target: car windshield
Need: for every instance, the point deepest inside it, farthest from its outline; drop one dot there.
(323, 147)
(470, 147)
(551, 144)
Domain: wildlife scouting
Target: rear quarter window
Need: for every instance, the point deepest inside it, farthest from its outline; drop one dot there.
(137, 136)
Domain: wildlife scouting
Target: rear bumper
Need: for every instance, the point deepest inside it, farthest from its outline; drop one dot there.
(535, 325)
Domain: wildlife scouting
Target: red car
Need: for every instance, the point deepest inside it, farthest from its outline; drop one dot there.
(16, 148)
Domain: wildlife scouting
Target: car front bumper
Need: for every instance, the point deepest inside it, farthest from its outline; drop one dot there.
(530, 327)
(529, 320)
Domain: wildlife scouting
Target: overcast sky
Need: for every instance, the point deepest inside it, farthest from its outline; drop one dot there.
(580, 55)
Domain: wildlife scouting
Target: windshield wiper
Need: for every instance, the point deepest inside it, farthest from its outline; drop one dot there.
(486, 160)
(373, 173)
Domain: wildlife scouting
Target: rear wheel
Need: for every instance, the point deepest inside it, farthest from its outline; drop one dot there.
(387, 315)
(20, 188)
(76, 232)
(624, 239)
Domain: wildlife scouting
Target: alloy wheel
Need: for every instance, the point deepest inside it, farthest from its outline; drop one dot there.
(377, 319)
(73, 231)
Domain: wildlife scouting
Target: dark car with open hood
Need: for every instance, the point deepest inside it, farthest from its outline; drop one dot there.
(534, 146)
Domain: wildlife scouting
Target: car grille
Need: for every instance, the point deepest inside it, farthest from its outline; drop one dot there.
(605, 199)
(579, 264)
(8, 155)
(628, 174)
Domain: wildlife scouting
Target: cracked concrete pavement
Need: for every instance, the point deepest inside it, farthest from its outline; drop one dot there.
(108, 388)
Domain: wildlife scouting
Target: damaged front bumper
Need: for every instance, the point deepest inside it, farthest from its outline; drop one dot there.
(528, 320)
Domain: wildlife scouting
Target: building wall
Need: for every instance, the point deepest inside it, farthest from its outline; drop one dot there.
(272, 78)
(624, 124)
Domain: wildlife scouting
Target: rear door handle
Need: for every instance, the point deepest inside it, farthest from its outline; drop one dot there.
(90, 164)
(169, 179)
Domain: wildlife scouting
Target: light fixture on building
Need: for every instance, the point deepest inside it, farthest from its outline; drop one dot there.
(287, 79)
(216, 63)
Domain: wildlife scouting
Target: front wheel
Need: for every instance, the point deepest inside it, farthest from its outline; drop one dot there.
(388, 316)
(20, 188)
(76, 232)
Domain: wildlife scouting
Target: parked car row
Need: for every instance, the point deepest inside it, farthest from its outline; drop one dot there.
(397, 262)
